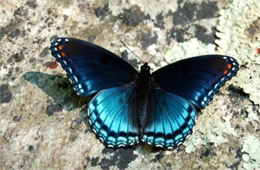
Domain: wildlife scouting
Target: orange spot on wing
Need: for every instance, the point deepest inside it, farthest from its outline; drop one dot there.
(60, 47)
(225, 72)
(229, 66)
(62, 54)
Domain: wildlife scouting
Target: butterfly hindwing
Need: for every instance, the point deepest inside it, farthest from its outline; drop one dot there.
(169, 121)
(196, 79)
(111, 119)
(90, 67)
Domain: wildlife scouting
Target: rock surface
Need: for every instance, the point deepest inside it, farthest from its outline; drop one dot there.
(43, 122)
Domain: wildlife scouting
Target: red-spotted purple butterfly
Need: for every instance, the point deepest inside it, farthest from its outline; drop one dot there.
(156, 108)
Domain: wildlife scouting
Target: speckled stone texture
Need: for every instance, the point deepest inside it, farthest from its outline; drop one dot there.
(43, 122)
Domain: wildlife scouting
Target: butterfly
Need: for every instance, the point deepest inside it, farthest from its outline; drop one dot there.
(130, 107)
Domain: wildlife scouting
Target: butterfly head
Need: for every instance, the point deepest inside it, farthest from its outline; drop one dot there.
(144, 75)
(145, 68)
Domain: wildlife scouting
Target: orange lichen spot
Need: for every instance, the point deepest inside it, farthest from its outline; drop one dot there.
(258, 50)
(225, 72)
(53, 65)
(62, 54)
(229, 66)
(60, 47)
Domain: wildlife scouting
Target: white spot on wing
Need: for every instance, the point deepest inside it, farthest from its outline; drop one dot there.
(79, 86)
(149, 143)
(102, 140)
(159, 146)
(210, 92)
(64, 62)
(88, 111)
(76, 79)
(82, 91)
(121, 145)
(58, 55)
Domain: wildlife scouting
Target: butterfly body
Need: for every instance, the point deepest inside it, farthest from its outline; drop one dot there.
(156, 108)
(142, 89)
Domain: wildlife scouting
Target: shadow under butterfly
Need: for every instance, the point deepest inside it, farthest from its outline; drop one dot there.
(58, 87)
(156, 108)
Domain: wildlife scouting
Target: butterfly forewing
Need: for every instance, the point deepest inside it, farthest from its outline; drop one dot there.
(197, 79)
(90, 67)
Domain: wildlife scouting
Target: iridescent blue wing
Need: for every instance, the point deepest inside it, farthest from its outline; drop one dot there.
(169, 121)
(89, 67)
(111, 119)
(196, 79)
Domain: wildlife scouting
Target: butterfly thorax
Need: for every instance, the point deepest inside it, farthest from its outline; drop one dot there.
(143, 87)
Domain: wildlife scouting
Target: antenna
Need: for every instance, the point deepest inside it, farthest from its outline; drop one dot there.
(156, 54)
(153, 57)
(132, 51)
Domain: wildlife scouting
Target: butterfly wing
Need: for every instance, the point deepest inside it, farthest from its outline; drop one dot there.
(89, 67)
(111, 119)
(196, 79)
(169, 121)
